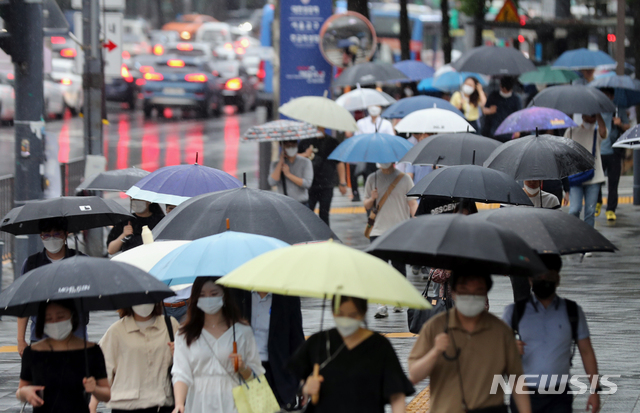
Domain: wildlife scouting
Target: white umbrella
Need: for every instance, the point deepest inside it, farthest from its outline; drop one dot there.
(320, 111)
(630, 139)
(433, 120)
(360, 99)
(147, 255)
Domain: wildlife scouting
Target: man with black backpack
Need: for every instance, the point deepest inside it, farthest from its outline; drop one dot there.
(548, 328)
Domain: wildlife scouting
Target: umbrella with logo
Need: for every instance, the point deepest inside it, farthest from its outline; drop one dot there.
(80, 213)
(319, 111)
(433, 120)
(368, 74)
(405, 106)
(579, 59)
(533, 118)
(118, 180)
(360, 99)
(574, 99)
(494, 61)
(281, 130)
(371, 147)
(451, 149)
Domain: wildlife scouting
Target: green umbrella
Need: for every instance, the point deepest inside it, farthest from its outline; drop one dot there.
(547, 75)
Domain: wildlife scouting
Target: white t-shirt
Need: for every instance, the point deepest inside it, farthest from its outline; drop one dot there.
(545, 200)
(366, 125)
(396, 207)
(584, 136)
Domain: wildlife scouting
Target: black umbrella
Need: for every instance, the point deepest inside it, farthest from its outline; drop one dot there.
(471, 182)
(455, 242)
(548, 231)
(494, 61)
(368, 74)
(451, 149)
(574, 99)
(248, 210)
(118, 180)
(81, 212)
(95, 284)
(540, 157)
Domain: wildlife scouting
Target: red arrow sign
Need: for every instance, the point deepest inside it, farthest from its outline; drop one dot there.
(110, 45)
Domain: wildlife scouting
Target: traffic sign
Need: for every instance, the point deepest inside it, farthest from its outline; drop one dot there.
(508, 13)
(104, 4)
(112, 43)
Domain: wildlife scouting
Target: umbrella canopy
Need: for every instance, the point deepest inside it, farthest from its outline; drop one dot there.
(433, 120)
(215, 255)
(548, 231)
(249, 210)
(494, 61)
(426, 86)
(574, 99)
(175, 184)
(80, 212)
(405, 106)
(451, 149)
(540, 157)
(118, 180)
(147, 255)
(471, 182)
(320, 111)
(414, 70)
(547, 75)
(578, 59)
(95, 284)
(330, 269)
(360, 99)
(455, 242)
(451, 81)
(533, 118)
(371, 147)
(630, 139)
(281, 130)
(368, 74)
(627, 90)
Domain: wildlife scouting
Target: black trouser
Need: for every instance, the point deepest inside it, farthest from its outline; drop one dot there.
(322, 196)
(548, 403)
(272, 381)
(368, 170)
(612, 165)
(163, 409)
(400, 266)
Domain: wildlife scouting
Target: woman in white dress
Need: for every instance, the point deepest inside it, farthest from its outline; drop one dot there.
(203, 364)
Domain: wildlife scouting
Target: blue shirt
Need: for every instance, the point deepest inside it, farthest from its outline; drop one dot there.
(260, 320)
(614, 133)
(546, 333)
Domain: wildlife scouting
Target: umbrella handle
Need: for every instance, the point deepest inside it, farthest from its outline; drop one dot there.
(236, 363)
(316, 373)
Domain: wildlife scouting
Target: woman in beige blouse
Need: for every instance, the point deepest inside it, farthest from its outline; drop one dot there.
(138, 354)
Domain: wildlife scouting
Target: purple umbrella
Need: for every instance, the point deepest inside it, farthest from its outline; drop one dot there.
(533, 118)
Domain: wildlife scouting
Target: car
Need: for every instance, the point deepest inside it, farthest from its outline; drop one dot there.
(189, 49)
(218, 35)
(126, 87)
(63, 71)
(183, 82)
(239, 88)
(54, 106)
(7, 97)
(135, 38)
(160, 38)
(63, 47)
(188, 25)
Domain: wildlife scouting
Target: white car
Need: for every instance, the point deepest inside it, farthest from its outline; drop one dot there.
(7, 97)
(63, 72)
(218, 35)
(54, 106)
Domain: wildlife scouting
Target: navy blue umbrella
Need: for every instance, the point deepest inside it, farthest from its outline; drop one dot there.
(627, 90)
(371, 147)
(405, 106)
(578, 59)
(414, 70)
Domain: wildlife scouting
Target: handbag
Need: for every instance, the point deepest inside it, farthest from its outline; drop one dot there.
(582, 177)
(417, 318)
(376, 209)
(255, 396)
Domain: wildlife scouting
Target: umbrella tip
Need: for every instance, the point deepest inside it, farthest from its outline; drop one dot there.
(228, 225)
(536, 131)
(244, 179)
(196, 158)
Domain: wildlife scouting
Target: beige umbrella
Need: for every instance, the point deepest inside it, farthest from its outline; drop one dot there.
(320, 111)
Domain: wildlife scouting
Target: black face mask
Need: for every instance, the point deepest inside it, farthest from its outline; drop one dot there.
(543, 289)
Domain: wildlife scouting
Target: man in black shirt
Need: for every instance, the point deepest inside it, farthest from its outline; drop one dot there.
(499, 105)
(325, 172)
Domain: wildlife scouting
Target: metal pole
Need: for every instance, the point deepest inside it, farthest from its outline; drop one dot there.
(620, 36)
(636, 177)
(29, 107)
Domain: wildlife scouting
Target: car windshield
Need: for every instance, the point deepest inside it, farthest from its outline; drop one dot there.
(215, 36)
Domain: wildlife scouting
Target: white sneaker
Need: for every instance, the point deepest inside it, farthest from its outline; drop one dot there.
(415, 269)
(588, 255)
(397, 309)
(383, 312)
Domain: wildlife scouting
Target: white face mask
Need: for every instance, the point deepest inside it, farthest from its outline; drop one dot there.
(291, 152)
(587, 125)
(532, 191)
(58, 331)
(346, 326)
(374, 110)
(53, 245)
(138, 206)
(143, 310)
(468, 90)
(506, 95)
(384, 165)
(210, 305)
(470, 305)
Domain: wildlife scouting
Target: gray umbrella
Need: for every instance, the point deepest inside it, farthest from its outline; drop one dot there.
(540, 157)
(118, 180)
(494, 61)
(368, 74)
(574, 99)
(451, 149)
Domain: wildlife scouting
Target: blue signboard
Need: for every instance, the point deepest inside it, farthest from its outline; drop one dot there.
(303, 69)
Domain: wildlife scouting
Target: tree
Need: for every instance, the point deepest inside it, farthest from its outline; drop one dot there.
(476, 9)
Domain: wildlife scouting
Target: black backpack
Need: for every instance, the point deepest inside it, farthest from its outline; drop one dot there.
(572, 312)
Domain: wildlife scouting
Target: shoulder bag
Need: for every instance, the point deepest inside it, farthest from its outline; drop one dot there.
(376, 209)
(582, 177)
(417, 318)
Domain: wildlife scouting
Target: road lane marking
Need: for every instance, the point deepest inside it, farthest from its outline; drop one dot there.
(9, 349)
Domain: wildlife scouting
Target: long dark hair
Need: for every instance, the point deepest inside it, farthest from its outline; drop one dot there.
(475, 96)
(42, 311)
(192, 327)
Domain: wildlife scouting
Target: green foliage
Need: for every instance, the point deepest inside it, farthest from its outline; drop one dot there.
(472, 7)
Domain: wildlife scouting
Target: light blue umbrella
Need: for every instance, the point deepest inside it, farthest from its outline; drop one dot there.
(215, 255)
(371, 147)
(426, 86)
(627, 90)
(451, 81)
(405, 106)
(578, 59)
(414, 70)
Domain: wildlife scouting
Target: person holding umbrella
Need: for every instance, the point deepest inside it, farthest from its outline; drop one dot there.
(204, 358)
(292, 174)
(470, 99)
(540, 198)
(128, 234)
(499, 106)
(57, 372)
(360, 372)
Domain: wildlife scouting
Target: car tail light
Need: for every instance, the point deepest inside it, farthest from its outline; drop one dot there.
(239, 50)
(140, 82)
(196, 77)
(244, 43)
(234, 84)
(175, 63)
(153, 76)
(124, 71)
(262, 73)
(126, 55)
(68, 52)
(158, 50)
(184, 47)
(65, 81)
(58, 40)
(146, 69)
(10, 76)
(228, 46)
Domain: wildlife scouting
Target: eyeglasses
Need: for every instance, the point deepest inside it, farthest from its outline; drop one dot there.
(46, 237)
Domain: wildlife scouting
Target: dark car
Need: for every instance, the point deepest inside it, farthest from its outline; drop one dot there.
(182, 82)
(239, 88)
(126, 87)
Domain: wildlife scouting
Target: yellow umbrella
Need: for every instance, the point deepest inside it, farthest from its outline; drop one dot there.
(322, 270)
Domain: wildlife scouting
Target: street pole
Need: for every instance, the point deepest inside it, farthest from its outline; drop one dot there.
(621, 35)
(405, 37)
(29, 108)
